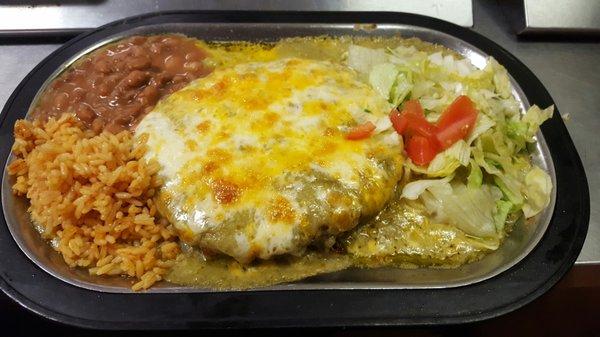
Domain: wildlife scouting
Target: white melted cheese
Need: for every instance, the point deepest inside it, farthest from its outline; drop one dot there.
(225, 142)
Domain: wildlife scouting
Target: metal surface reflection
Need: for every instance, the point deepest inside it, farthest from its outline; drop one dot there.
(49, 16)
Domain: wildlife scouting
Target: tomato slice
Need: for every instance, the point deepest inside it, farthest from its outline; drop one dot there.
(420, 150)
(456, 122)
(411, 121)
(417, 124)
(399, 121)
(425, 140)
(412, 107)
(361, 131)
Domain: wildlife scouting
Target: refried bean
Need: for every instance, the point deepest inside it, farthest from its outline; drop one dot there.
(113, 88)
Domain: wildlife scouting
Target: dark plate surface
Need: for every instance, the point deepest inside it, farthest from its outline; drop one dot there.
(542, 268)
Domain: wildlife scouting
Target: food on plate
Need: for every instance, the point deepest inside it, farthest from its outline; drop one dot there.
(237, 165)
(256, 159)
(112, 88)
(92, 198)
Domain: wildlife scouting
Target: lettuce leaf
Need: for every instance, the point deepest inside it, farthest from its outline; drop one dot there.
(472, 210)
(391, 81)
(414, 189)
(482, 124)
(402, 87)
(500, 79)
(511, 188)
(469, 209)
(475, 177)
(503, 208)
(523, 130)
(538, 187)
(363, 59)
(534, 117)
(382, 77)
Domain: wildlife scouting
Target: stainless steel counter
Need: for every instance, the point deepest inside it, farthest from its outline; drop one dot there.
(570, 71)
(68, 15)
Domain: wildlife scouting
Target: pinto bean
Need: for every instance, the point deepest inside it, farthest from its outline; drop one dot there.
(173, 63)
(86, 114)
(139, 62)
(135, 79)
(114, 87)
(103, 65)
(148, 96)
(61, 100)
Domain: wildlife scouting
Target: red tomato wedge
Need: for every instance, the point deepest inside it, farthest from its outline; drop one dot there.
(456, 122)
(419, 126)
(399, 121)
(420, 150)
(411, 121)
(361, 131)
(413, 107)
(425, 140)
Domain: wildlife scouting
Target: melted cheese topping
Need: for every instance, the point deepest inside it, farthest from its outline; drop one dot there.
(229, 143)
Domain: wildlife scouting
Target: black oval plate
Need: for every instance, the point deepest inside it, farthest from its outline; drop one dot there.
(40, 292)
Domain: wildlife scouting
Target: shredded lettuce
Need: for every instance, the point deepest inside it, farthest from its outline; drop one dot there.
(483, 124)
(402, 87)
(382, 78)
(414, 189)
(492, 165)
(391, 81)
(511, 188)
(482, 161)
(469, 209)
(534, 117)
(503, 208)
(472, 210)
(538, 187)
(363, 59)
(500, 78)
(475, 178)
(523, 130)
